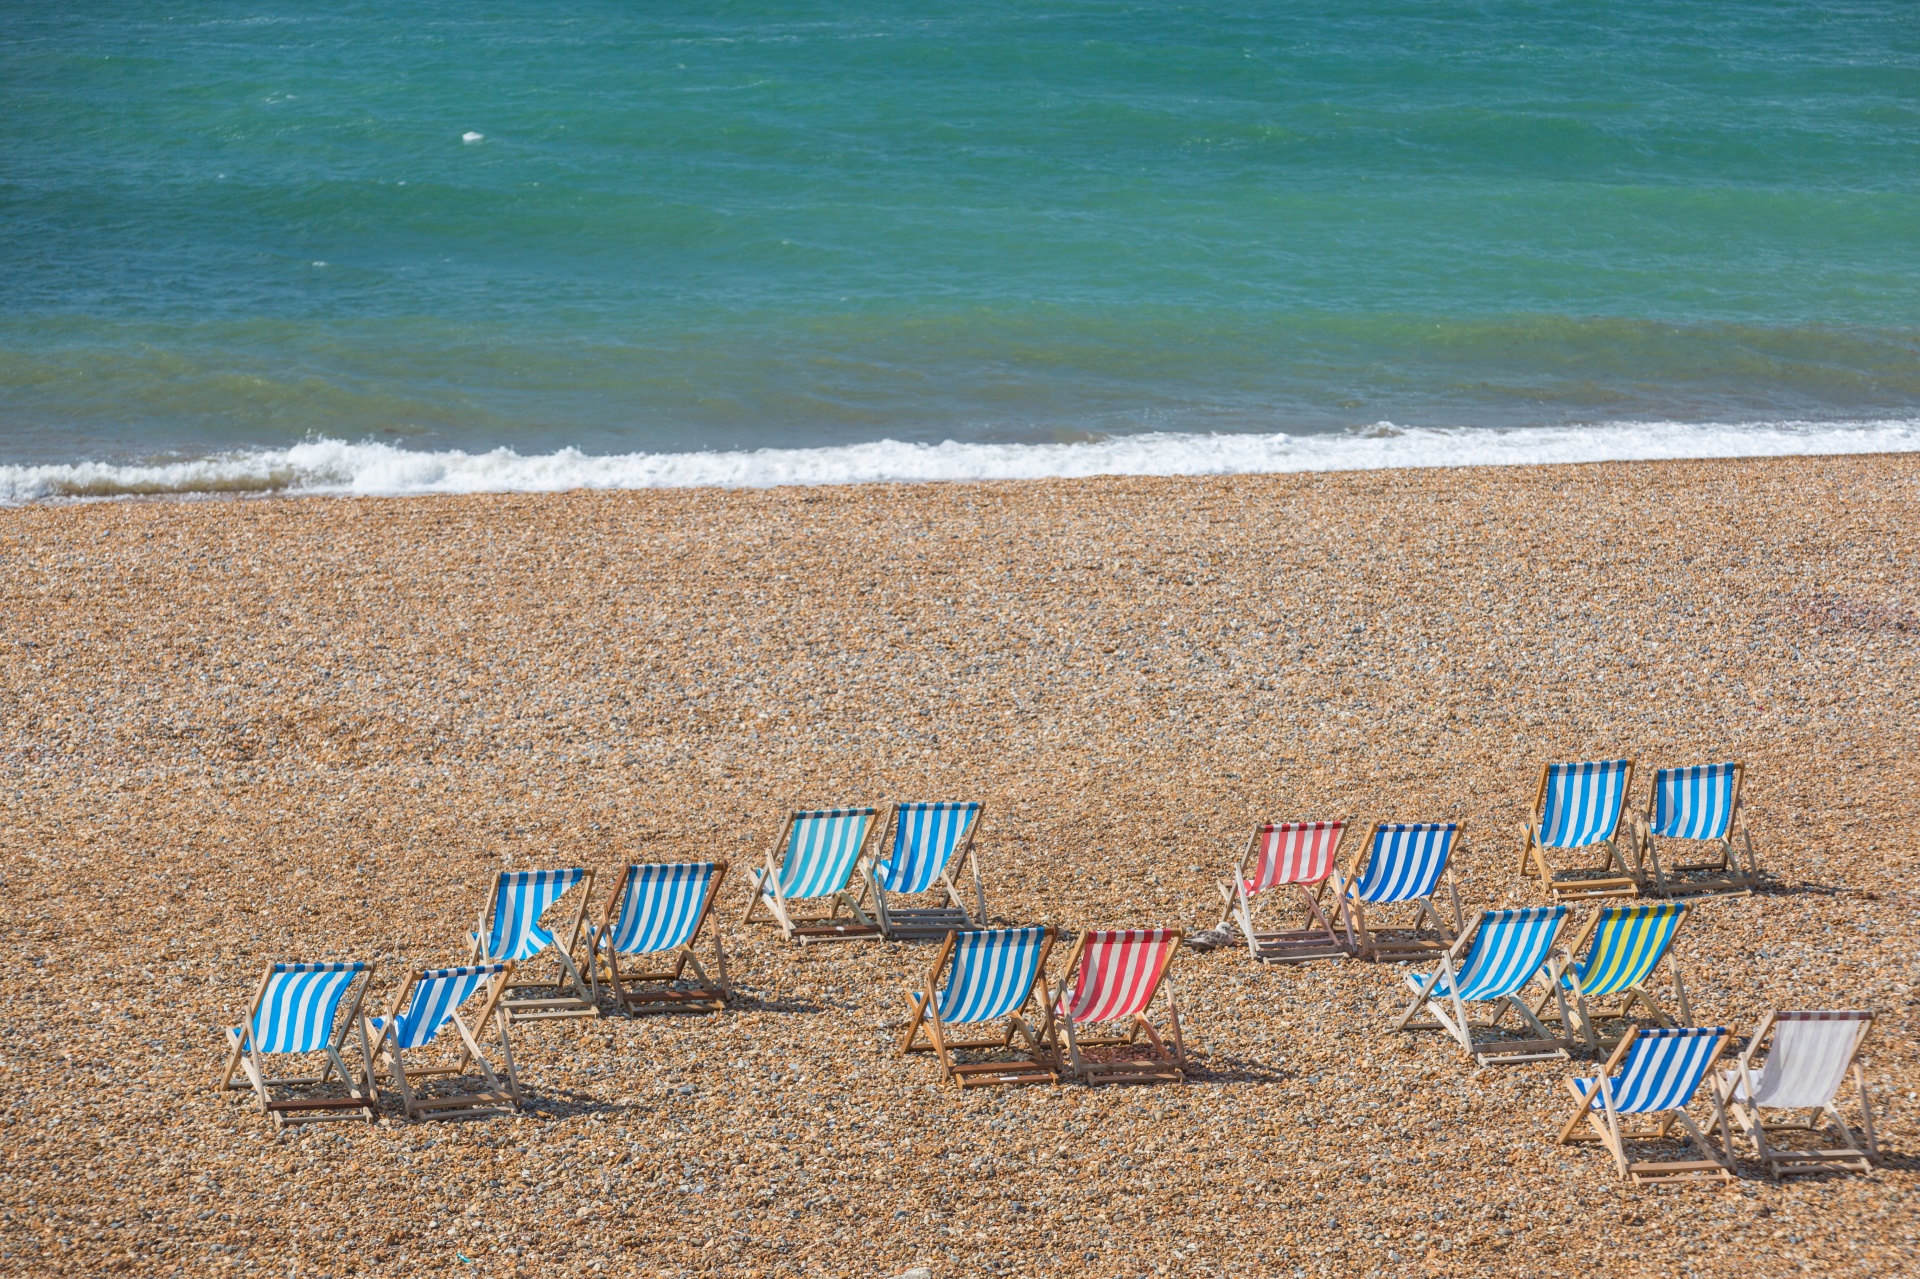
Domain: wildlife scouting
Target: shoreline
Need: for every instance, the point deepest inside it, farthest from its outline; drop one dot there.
(244, 731)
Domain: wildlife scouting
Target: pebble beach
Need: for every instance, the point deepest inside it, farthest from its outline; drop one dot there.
(240, 731)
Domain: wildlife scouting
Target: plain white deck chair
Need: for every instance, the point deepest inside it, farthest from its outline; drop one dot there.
(1283, 855)
(296, 1010)
(992, 977)
(1504, 950)
(659, 910)
(1624, 945)
(421, 1010)
(924, 844)
(1806, 1065)
(1699, 804)
(1113, 976)
(510, 932)
(814, 857)
(1579, 806)
(1659, 1072)
(1403, 862)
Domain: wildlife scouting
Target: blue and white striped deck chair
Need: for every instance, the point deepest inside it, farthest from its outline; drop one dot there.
(510, 931)
(1578, 806)
(1699, 804)
(1404, 862)
(992, 977)
(1658, 1073)
(1623, 944)
(922, 846)
(297, 1010)
(429, 1002)
(1504, 950)
(659, 909)
(814, 858)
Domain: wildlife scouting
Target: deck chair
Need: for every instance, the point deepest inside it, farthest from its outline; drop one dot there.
(925, 843)
(1114, 976)
(1624, 944)
(510, 932)
(660, 909)
(431, 999)
(991, 978)
(814, 857)
(1806, 1065)
(1404, 862)
(1659, 1072)
(1296, 855)
(1504, 950)
(1700, 804)
(296, 1010)
(1578, 806)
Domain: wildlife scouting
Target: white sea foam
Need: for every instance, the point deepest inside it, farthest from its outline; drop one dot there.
(336, 467)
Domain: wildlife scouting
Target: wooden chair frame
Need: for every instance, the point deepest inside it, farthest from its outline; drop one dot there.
(363, 1096)
(1452, 1018)
(1781, 1160)
(568, 993)
(1727, 878)
(1575, 885)
(708, 996)
(1582, 1018)
(1166, 1064)
(499, 1096)
(912, 922)
(1367, 940)
(831, 926)
(1317, 939)
(1041, 1066)
(1609, 1130)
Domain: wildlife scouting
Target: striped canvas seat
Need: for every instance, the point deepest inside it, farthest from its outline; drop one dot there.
(299, 1009)
(1293, 853)
(1807, 1063)
(1115, 974)
(511, 931)
(430, 1002)
(1624, 944)
(989, 976)
(1404, 863)
(1578, 806)
(1700, 804)
(520, 898)
(814, 858)
(1653, 1073)
(1286, 855)
(1508, 948)
(659, 909)
(926, 841)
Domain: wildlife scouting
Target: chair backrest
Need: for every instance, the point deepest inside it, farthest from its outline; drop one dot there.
(1663, 1067)
(435, 996)
(1406, 860)
(1695, 802)
(1628, 942)
(661, 905)
(520, 897)
(992, 973)
(1808, 1059)
(821, 849)
(296, 1010)
(1119, 972)
(1582, 802)
(1293, 853)
(924, 839)
(1508, 948)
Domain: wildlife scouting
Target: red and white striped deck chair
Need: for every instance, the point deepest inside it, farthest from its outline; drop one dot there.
(1282, 855)
(1113, 976)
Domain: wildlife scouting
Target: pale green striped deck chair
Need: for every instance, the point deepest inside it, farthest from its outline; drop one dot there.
(813, 861)
(1624, 944)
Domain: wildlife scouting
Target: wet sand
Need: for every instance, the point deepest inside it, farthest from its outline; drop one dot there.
(240, 731)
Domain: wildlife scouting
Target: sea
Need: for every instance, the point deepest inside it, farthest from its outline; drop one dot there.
(453, 247)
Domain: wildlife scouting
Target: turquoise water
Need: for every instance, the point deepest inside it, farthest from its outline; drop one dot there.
(738, 226)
